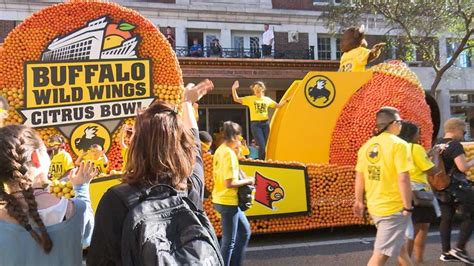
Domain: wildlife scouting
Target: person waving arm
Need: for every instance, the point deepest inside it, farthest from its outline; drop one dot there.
(236, 97)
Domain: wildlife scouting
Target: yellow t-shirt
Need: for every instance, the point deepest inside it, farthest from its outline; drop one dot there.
(421, 164)
(60, 164)
(125, 158)
(354, 60)
(99, 163)
(380, 160)
(258, 107)
(225, 166)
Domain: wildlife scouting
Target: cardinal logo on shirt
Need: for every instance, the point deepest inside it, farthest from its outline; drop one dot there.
(320, 91)
(267, 191)
(373, 153)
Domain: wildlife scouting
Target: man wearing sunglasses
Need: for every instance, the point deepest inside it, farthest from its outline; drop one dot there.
(3, 110)
(382, 170)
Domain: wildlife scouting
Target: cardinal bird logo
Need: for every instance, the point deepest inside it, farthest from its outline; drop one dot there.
(267, 191)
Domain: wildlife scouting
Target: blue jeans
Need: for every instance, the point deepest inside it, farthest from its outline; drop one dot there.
(260, 131)
(235, 234)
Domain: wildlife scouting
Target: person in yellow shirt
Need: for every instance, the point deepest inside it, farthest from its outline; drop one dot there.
(235, 226)
(422, 216)
(61, 161)
(206, 141)
(258, 105)
(3, 110)
(382, 172)
(125, 136)
(355, 53)
(96, 155)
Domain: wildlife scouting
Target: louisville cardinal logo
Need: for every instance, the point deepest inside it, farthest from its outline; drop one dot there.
(267, 191)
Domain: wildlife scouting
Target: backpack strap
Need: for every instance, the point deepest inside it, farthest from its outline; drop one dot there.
(131, 196)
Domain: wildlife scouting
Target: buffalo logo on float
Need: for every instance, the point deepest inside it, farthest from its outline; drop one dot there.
(92, 75)
(320, 91)
(86, 135)
(267, 191)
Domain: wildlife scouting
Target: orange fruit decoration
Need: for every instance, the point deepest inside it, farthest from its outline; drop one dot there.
(29, 39)
(393, 84)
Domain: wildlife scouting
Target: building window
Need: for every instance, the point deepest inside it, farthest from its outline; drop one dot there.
(338, 49)
(465, 58)
(324, 48)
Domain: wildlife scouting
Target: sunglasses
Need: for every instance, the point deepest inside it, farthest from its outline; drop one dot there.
(396, 122)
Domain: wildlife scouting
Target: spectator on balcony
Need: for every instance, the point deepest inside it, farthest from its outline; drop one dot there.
(170, 37)
(216, 48)
(267, 41)
(196, 49)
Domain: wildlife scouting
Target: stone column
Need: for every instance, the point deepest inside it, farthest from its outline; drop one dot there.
(181, 36)
(313, 41)
(443, 96)
(226, 38)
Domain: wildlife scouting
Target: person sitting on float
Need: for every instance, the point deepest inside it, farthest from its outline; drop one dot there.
(258, 105)
(125, 136)
(96, 155)
(61, 161)
(355, 53)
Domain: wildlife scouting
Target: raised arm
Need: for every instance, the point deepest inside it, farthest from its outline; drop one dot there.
(282, 103)
(236, 97)
(191, 95)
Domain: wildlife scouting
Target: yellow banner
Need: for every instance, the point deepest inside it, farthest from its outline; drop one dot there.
(72, 83)
(280, 190)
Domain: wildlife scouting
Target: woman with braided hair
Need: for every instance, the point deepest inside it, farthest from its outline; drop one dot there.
(47, 230)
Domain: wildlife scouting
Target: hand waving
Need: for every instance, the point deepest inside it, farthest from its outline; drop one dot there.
(83, 174)
(195, 93)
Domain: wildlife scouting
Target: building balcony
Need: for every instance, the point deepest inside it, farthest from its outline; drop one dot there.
(248, 53)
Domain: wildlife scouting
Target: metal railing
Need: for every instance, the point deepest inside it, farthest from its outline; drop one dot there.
(305, 54)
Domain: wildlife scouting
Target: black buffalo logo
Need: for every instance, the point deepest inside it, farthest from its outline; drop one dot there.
(88, 139)
(320, 91)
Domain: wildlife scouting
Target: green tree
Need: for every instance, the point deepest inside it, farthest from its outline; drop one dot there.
(419, 23)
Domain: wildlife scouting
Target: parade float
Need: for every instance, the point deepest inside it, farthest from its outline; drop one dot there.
(82, 68)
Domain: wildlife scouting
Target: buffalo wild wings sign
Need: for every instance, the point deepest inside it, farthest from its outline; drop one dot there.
(87, 82)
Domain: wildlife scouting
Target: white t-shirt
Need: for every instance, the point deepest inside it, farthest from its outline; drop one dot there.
(267, 37)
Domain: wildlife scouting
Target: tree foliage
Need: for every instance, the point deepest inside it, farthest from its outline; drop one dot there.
(414, 23)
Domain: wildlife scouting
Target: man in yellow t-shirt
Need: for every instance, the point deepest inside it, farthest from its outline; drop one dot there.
(382, 172)
(96, 155)
(258, 105)
(61, 160)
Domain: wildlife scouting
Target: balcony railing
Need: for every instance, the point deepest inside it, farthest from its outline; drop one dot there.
(307, 54)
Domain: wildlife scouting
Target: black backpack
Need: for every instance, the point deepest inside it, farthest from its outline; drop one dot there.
(245, 194)
(163, 228)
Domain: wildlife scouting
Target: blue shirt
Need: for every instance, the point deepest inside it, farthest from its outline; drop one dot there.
(69, 238)
(253, 152)
(196, 47)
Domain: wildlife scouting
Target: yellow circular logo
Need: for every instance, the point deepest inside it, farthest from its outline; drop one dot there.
(86, 135)
(374, 153)
(320, 91)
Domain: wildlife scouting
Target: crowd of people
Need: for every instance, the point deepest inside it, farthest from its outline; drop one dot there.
(392, 184)
(163, 166)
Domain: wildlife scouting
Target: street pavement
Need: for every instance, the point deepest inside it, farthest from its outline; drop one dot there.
(340, 246)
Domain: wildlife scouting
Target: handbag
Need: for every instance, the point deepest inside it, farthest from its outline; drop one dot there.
(422, 198)
(245, 194)
(441, 180)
